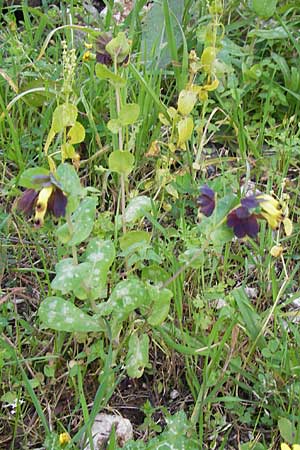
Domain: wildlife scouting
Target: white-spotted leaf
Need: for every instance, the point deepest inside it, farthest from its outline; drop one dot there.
(136, 208)
(82, 223)
(69, 180)
(100, 255)
(61, 315)
(72, 277)
(138, 355)
(159, 308)
(127, 296)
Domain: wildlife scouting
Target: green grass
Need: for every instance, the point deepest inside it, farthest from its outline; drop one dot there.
(229, 345)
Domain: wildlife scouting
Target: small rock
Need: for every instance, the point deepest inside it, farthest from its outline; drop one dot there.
(251, 292)
(174, 394)
(102, 427)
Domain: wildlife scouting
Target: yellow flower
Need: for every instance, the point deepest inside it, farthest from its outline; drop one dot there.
(287, 447)
(86, 56)
(88, 45)
(202, 91)
(48, 197)
(42, 204)
(271, 210)
(64, 438)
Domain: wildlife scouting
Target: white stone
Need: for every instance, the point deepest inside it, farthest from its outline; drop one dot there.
(102, 427)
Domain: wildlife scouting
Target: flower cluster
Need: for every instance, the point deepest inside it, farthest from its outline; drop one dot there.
(244, 218)
(49, 197)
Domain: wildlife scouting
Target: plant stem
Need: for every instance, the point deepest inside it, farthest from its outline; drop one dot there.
(71, 229)
(122, 179)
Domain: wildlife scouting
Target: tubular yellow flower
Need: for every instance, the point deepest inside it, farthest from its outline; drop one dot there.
(64, 438)
(42, 204)
(86, 56)
(271, 210)
(296, 447)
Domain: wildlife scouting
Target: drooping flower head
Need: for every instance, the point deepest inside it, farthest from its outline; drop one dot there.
(106, 46)
(102, 55)
(206, 201)
(243, 222)
(49, 197)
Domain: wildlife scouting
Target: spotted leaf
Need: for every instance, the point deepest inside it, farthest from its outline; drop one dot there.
(61, 315)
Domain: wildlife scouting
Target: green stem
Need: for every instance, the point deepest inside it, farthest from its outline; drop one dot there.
(71, 229)
(122, 179)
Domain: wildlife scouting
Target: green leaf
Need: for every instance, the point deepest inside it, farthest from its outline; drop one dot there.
(125, 298)
(100, 255)
(272, 33)
(61, 315)
(160, 306)
(76, 134)
(287, 430)
(26, 178)
(186, 102)
(264, 8)
(129, 114)
(136, 208)
(64, 278)
(185, 129)
(39, 98)
(104, 73)
(154, 43)
(208, 58)
(72, 277)
(114, 126)
(155, 274)
(251, 320)
(138, 355)
(64, 116)
(191, 253)
(221, 235)
(67, 151)
(134, 238)
(69, 180)
(88, 279)
(121, 162)
(82, 223)
(118, 47)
